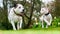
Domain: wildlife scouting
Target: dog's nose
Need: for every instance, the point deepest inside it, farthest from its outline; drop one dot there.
(23, 9)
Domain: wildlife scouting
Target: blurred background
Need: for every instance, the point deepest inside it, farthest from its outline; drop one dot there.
(32, 8)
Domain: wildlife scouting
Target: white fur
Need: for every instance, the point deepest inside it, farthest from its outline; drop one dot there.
(44, 10)
(12, 17)
(47, 19)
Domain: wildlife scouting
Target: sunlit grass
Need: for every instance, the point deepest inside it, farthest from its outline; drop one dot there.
(32, 31)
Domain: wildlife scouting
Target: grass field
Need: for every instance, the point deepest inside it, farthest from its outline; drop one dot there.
(32, 31)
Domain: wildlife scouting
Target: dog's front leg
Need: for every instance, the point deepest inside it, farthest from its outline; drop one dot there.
(41, 18)
(20, 22)
(13, 25)
(18, 26)
(42, 24)
(46, 26)
(47, 22)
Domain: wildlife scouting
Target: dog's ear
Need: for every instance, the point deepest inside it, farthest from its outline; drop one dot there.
(15, 5)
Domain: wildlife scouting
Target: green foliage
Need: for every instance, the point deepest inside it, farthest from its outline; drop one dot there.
(55, 22)
(4, 24)
(37, 25)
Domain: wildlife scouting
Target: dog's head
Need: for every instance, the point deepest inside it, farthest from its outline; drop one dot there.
(18, 8)
(44, 10)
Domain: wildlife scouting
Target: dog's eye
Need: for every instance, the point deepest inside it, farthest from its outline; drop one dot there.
(19, 7)
(42, 10)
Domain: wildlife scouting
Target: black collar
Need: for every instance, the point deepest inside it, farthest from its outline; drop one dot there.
(47, 14)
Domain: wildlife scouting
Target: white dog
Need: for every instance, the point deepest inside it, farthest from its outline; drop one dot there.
(46, 16)
(15, 15)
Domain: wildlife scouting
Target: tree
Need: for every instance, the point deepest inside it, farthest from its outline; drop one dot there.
(57, 8)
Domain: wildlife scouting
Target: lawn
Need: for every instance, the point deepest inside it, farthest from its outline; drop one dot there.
(32, 31)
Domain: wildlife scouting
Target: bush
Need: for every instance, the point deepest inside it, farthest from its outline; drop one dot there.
(55, 22)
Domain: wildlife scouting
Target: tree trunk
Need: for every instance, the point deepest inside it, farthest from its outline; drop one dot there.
(32, 7)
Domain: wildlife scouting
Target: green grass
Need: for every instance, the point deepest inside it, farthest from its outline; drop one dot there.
(32, 31)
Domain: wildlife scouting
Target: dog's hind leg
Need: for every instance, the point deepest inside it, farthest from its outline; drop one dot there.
(50, 19)
(13, 25)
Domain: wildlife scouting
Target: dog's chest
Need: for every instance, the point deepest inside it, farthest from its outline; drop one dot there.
(14, 17)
